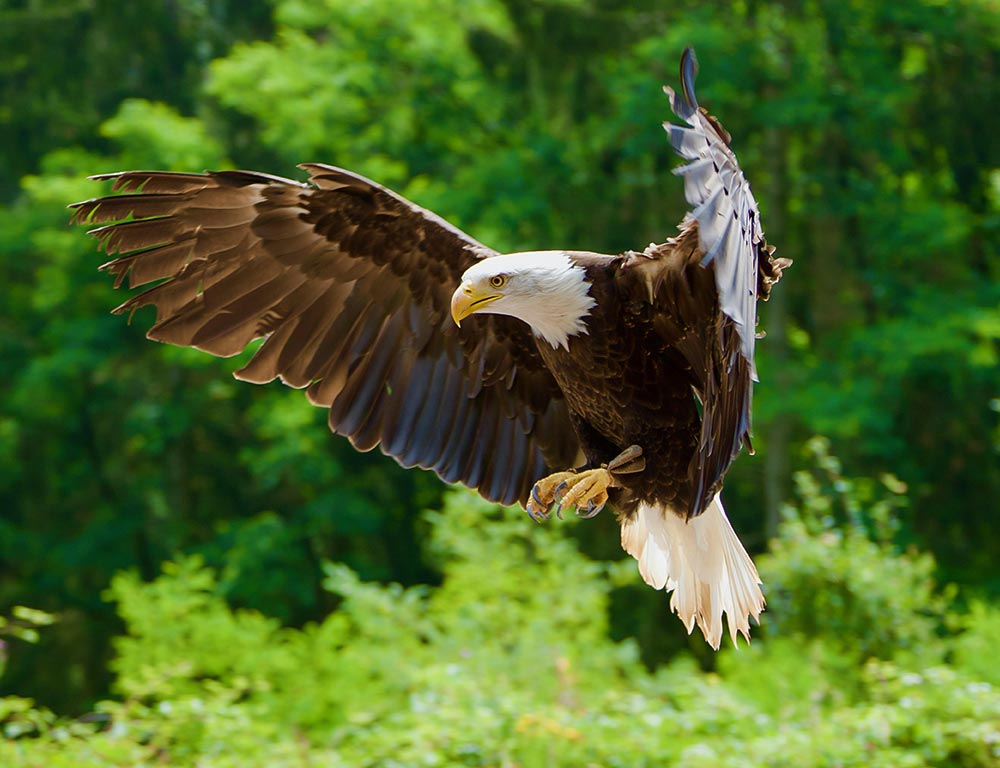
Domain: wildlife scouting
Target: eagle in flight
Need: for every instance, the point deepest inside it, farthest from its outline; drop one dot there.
(556, 379)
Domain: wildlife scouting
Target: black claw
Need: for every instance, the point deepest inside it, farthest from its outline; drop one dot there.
(559, 510)
(535, 497)
(557, 495)
(538, 515)
(592, 510)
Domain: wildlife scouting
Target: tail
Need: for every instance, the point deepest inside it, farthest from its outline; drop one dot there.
(702, 562)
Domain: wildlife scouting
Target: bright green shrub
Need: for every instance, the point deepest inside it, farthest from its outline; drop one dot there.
(508, 663)
(975, 650)
(835, 573)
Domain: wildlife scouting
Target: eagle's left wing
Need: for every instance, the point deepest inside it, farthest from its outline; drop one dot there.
(349, 285)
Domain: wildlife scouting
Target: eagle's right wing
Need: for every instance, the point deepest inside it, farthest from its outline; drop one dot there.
(350, 286)
(704, 286)
(729, 230)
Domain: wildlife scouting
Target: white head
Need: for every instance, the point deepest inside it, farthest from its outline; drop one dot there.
(545, 289)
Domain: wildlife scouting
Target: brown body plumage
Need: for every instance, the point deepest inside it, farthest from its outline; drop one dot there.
(350, 286)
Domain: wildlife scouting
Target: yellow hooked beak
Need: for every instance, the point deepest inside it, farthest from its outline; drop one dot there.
(467, 300)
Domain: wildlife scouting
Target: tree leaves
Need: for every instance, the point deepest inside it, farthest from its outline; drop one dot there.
(865, 129)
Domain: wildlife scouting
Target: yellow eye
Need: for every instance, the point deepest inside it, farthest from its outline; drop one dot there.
(498, 281)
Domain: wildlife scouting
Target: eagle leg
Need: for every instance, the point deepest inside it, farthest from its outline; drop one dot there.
(584, 489)
(628, 461)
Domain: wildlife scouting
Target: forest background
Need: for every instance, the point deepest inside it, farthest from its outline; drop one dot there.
(192, 569)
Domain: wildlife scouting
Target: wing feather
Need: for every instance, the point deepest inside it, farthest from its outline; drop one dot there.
(721, 196)
(349, 285)
(399, 441)
(704, 286)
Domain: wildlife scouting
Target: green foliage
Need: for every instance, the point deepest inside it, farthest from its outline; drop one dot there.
(185, 641)
(69, 65)
(864, 127)
(154, 133)
(24, 623)
(974, 649)
(507, 662)
(833, 571)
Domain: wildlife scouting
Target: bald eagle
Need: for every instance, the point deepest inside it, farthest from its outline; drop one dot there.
(557, 379)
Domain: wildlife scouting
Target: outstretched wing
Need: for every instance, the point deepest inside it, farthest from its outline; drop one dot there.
(704, 287)
(729, 230)
(350, 285)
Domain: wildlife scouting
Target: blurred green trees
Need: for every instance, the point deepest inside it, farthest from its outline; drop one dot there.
(866, 129)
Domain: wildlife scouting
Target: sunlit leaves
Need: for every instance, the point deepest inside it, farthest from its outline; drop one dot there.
(153, 134)
(480, 672)
(865, 128)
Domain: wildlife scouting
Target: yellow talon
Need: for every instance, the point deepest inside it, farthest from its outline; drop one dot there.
(584, 490)
(543, 494)
(588, 489)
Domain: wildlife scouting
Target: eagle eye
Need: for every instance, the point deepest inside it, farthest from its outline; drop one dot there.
(498, 281)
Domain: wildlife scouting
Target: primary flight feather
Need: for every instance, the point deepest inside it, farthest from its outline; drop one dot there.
(557, 379)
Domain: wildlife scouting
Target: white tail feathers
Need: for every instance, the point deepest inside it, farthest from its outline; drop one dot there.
(702, 562)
